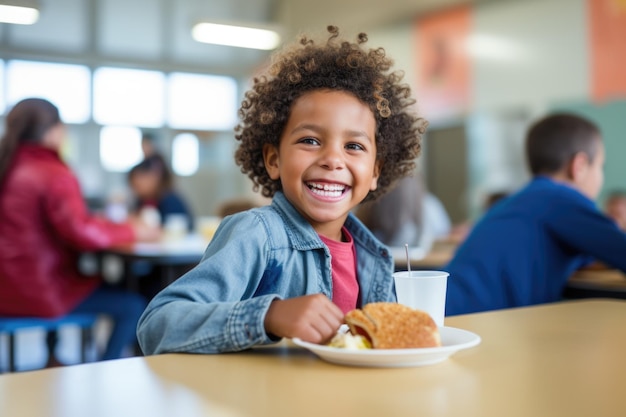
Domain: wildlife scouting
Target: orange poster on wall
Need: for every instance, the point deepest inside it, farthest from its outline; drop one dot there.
(607, 24)
(443, 64)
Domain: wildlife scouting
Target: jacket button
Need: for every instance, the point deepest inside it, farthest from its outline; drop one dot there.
(383, 252)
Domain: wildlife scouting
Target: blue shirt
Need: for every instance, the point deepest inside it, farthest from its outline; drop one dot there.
(526, 247)
(169, 203)
(172, 203)
(255, 257)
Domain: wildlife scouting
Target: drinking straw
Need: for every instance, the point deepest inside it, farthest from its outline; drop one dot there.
(408, 261)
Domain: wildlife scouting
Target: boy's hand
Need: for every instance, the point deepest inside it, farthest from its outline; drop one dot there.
(312, 318)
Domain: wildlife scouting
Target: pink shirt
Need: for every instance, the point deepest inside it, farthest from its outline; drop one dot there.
(343, 265)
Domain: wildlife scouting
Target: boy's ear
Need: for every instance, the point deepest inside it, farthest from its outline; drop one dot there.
(578, 166)
(270, 159)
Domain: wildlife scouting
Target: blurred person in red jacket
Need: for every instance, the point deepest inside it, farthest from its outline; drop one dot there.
(45, 226)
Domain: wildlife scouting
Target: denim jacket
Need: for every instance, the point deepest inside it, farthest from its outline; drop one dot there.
(255, 257)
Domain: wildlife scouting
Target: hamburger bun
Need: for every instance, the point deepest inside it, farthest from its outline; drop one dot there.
(394, 326)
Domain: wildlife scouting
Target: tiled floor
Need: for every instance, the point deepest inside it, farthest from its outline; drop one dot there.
(31, 352)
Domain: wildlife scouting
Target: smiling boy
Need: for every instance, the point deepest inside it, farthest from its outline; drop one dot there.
(327, 128)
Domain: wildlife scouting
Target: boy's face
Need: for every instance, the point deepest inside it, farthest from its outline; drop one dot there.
(326, 159)
(592, 179)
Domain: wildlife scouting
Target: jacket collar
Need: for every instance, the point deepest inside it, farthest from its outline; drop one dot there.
(300, 232)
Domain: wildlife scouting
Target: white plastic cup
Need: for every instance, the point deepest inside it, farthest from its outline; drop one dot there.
(423, 290)
(175, 227)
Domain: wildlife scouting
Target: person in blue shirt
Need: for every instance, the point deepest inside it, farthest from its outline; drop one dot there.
(151, 182)
(327, 127)
(524, 249)
(157, 202)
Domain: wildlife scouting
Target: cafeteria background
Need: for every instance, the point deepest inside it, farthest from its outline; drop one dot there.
(481, 71)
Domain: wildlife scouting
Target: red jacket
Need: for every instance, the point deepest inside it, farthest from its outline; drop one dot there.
(44, 226)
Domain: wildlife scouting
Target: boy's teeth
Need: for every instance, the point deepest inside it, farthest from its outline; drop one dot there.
(326, 187)
(327, 190)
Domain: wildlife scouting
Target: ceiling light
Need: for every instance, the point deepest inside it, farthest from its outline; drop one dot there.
(20, 12)
(239, 36)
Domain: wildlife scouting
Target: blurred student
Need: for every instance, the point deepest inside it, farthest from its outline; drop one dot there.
(45, 226)
(152, 185)
(525, 248)
(408, 214)
(615, 207)
(396, 217)
(436, 219)
(157, 203)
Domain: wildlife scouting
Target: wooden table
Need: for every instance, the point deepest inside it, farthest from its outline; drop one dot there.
(565, 359)
(596, 283)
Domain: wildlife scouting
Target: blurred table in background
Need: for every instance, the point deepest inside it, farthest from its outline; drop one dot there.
(437, 257)
(587, 283)
(171, 258)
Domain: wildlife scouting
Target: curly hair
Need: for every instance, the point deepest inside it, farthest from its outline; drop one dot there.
(335, 65)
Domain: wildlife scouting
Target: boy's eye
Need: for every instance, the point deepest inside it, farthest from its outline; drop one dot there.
(309, 141)
(354, 147)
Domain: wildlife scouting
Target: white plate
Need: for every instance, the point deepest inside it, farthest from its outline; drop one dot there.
(452, 340)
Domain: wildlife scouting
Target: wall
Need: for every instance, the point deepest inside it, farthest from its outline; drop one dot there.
(529, 53)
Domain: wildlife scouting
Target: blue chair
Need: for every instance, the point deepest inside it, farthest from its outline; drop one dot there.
(12, 325)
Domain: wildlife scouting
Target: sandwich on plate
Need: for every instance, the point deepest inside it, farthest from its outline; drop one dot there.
(388, 326)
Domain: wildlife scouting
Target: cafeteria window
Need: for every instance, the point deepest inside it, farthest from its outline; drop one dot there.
(66, 86)
(201, 102)
(185, 154)
(128, 97)
(120, 148)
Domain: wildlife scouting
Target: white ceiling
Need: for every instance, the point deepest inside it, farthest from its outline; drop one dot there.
(156, 33)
